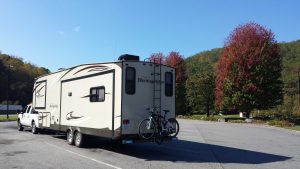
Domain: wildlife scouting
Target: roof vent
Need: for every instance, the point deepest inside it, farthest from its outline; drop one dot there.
(129, 57)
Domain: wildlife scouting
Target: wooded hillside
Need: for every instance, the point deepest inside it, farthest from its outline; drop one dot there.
(20, 76)
(290, 52)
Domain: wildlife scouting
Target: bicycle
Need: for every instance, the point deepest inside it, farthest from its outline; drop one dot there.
(156, 126)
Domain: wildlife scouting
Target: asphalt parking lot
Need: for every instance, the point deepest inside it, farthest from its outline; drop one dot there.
(200, 145)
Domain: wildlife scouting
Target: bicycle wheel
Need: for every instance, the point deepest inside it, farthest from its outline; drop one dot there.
(172, 127)
(160, 135)
(147, 129)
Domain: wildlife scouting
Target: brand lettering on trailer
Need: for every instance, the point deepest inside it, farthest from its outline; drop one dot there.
(148, 80)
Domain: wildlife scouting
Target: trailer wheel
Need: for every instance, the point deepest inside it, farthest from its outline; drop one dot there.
(20, 127)
(33, 128)
(70, 138)
(78, 138)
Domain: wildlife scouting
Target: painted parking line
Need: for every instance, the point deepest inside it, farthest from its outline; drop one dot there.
(92, 159)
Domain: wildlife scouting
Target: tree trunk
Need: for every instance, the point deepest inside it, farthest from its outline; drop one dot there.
(247, 115)
(207, 108)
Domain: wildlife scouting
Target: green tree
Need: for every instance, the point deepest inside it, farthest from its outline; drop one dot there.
(200, 92)
(21, 78)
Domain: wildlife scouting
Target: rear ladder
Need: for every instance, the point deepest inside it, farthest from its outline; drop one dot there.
(157, 85)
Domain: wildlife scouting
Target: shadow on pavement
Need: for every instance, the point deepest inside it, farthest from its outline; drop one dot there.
(186, 151)
(176, 151)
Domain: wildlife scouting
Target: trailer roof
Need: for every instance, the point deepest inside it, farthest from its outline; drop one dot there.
(119, 61)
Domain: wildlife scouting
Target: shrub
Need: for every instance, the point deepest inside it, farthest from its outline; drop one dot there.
(283, 123)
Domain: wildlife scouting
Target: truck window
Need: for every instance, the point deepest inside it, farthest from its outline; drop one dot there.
(168, 84)
(28, 109)
(97, 94)
(24, 109)
(130, 80)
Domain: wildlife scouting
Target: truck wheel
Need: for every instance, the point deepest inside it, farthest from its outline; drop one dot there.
(20, 127)
(33, 128)
(78, 138)
(70, 138)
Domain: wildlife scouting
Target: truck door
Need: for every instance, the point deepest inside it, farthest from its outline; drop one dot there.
(26, 117)
(22, 118)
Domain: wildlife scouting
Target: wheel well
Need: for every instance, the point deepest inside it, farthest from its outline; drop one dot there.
(69, 130)
(75, 131)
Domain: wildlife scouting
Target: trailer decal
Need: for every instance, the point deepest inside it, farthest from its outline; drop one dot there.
(100, 67)
(69, 116)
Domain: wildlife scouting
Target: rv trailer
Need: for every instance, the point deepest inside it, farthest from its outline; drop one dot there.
(104, 99)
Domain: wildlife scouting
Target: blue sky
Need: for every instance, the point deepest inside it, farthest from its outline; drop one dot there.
(64, 33)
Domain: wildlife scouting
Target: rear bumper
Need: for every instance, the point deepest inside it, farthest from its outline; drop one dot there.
(129, 139)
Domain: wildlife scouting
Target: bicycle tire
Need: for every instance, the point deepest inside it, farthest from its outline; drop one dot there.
(160, 135)
(159, 138)
(173, 123)
(146, 131)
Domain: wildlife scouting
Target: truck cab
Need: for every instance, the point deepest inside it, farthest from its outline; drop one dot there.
(28, 118)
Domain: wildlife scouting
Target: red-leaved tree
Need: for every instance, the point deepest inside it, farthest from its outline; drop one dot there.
(175, 60)
(157, 58)
(249, 70)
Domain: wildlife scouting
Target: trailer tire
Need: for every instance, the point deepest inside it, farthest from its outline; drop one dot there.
(70, 137)
(78, 139)
(34, 130)
(20, 127)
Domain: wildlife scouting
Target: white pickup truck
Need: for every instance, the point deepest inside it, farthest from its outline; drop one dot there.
(28, 118)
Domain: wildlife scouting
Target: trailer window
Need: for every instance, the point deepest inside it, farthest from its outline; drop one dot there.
(168, 84)
(97, 94)
(130, 80)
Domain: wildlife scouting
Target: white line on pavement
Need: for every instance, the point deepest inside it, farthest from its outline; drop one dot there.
(92, 159)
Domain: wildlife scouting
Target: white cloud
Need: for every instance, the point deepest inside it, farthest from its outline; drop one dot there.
(77, 29)
(61, 33)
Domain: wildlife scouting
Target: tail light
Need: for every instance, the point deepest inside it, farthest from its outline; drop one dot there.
(126, 121)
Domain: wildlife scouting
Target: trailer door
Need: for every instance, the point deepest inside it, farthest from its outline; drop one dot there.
(88, 103)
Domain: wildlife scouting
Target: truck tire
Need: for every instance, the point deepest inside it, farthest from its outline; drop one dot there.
(78, 139)
(34, 130)
(70, 137)
(20, 127)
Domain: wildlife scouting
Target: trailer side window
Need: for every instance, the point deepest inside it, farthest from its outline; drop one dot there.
(97, 94)
(130, 80)
(168, 84)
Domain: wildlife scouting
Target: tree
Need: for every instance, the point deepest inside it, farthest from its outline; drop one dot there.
(175, 60)
(157, 58)
(21, 78)
(200, 92)
(249, 70)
